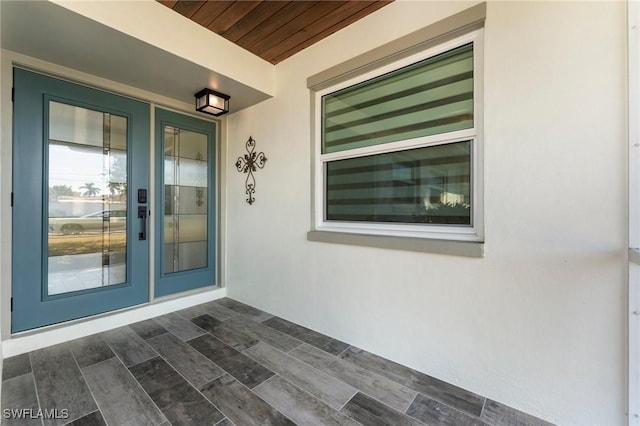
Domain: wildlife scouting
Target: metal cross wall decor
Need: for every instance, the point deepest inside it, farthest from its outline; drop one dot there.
(249, 164)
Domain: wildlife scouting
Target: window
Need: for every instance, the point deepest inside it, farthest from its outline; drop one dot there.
(399, 149)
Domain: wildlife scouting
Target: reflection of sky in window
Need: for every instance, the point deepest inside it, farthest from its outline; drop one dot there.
(76, 166)
(78, 137)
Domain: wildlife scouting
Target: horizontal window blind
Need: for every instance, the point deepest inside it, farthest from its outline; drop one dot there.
(430, 97)
(423, 185)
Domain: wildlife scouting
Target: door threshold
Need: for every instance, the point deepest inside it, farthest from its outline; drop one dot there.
(27, 341)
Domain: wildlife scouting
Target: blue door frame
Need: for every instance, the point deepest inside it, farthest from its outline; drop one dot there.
(32, 306)
(169, 283)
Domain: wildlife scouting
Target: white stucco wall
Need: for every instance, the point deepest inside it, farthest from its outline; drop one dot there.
(539, 322)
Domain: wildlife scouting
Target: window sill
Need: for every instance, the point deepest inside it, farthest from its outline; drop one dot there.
(453, 248)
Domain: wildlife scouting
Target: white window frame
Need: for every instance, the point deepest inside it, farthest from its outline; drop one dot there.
(475, 232)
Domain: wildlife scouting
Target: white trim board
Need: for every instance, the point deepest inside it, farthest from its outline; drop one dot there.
(52, 335)
(633, 342)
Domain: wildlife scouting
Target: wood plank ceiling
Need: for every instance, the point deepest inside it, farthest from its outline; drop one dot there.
(273, 29)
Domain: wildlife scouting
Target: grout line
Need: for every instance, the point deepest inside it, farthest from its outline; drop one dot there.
(301, 389)
(308, 368)
(143, 389)
(404, 382)
(348, 399)
(35, 385)
(239, 352)
(88, 414)
(174, 334)
(263, 382)
(351, 366)
(258, 396)
(410, 403)
(465, 414)
(194, 386)
(293, 349)
(345, 349)
(484, 403)
(199, 353)
(89, 387)
(248, 331)
(117, 356)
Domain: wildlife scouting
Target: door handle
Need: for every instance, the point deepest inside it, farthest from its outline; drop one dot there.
(142, 214)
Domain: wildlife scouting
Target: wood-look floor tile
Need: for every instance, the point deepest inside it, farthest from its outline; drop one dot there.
(148, 328)
(279, 340)
(122, 401)
(15, 366)
(332, 391)
(179, 326)
(19, 393)
(192, 311)
(180, 402)
(368, 411)
(431, 412)
(246, 370)
(229, 335)
(454, 396)
(391, 393)
(319, 340)
(194, 366)
(243, 309)
(60, 384)
(130, 347)
(218, 311)
(93, 419)
(90, 350)
(298, 405)
(241, 405)
(497, 414)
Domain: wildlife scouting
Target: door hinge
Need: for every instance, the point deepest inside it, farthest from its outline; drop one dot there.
(13, 94)
(12, 304)
(12, 199)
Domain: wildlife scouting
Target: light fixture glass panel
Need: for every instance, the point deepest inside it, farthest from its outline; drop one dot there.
(212, 110)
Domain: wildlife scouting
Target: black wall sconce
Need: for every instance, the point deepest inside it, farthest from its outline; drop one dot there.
(212, 102)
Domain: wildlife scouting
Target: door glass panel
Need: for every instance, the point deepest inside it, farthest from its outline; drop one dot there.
(186, 172)
(87, 200)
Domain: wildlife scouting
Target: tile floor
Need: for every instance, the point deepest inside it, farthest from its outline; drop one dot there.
(226, 363)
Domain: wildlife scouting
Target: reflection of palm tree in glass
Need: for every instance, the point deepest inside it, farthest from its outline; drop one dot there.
(117, 188)
(118, 177)
(90, 189)
(59, 190)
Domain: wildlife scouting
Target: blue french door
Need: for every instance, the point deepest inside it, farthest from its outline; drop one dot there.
(80, 175)
(185, 194)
